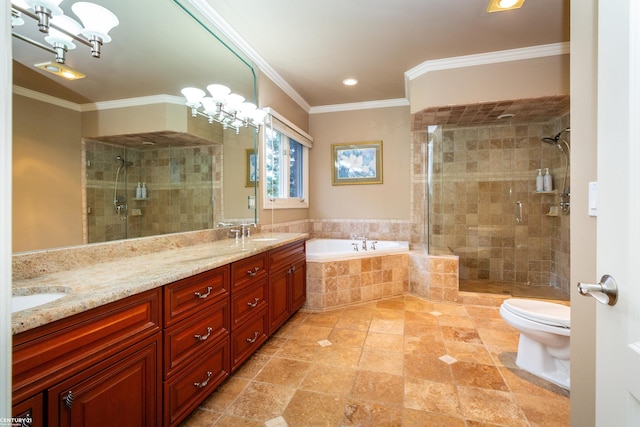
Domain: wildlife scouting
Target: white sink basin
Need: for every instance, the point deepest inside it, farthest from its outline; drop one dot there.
(23, 302)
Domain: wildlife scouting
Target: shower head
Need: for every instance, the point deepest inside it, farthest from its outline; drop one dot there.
(556, 139)
(123, 163)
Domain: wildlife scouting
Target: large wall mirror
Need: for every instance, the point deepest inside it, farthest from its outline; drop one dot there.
(81, 147)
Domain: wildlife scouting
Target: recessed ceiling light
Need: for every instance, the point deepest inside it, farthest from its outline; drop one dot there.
(500, 5)
(349, 82)
(60, 70)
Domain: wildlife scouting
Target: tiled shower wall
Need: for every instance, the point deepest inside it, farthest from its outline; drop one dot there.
(478, 176)
(181, 183)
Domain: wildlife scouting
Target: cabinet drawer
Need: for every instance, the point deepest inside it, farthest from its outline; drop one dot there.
(51, 353)
(194, 293)
(248, 338)
(195, 335)
(184, 392)
(248, 270)
(248, 303)
(286, 255)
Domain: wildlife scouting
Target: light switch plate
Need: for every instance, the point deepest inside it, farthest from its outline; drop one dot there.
(593, 198)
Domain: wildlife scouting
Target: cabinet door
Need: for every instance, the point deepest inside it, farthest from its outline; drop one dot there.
(298, 285)
(29, 413)
(278, 299)
(122, 391)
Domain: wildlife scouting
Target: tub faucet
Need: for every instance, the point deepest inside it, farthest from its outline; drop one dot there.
(364, 243)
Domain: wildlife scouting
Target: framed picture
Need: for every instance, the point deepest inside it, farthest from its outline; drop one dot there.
(251, 168)
(356, 163)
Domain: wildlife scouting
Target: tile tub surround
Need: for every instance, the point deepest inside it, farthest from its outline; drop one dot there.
(339, 283)
(399, 361)
(95, 278)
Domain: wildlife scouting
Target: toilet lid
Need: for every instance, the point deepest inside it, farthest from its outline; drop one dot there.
(544, 312)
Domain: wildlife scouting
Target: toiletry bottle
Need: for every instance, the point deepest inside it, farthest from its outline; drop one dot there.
(539, 181)
(139, 191)
(144, 191)
(547, 183)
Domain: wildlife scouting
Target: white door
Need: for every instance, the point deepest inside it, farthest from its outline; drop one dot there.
(618, 327)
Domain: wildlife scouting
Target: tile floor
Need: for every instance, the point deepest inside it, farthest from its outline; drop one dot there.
(518, 290)
(398, 362)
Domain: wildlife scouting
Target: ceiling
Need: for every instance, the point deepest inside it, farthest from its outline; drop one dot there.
(306, 47)
(314, 45)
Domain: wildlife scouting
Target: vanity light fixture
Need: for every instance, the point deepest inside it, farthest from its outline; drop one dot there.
(224, 107)
(500, 5)
(61, 30)
(61, 70)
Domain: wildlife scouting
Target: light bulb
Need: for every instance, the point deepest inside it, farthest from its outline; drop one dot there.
(234, 101)
(209, 105)
(66, 23)
(218, 92)
(97, 20)
(193, 95)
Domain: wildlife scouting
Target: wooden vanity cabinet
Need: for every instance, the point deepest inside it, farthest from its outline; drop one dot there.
(196, 341)
(152, 358)
(287, 283)
(249, 307)
(110, 351)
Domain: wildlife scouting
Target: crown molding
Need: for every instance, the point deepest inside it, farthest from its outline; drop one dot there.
(223, 26)
(133, 102)
(38, 96)
(95, 106)
(367, 105)
(496, 57)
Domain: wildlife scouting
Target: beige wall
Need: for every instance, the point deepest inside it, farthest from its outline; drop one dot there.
(47, 203)
(494, 82)
(138, 119)
(583, 227)
(389, 200)
(273, 97)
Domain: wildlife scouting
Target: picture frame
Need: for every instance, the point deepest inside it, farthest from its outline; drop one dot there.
(356, 163)
(252, 169)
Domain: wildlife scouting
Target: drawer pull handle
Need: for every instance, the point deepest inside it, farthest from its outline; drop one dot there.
(203, 296)
(293, 269)
(68, 399)
(204, 383)
(255, 303)
(203, 337)
(255, 337)
(253, 272)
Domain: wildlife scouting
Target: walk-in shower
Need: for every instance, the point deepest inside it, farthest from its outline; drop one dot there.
(483, 205)
(119, 194)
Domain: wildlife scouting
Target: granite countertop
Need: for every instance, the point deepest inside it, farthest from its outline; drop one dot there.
(100, 283)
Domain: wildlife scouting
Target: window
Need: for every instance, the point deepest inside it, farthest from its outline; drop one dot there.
(286, 160)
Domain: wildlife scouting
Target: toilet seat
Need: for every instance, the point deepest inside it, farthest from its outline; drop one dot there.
(540, 311)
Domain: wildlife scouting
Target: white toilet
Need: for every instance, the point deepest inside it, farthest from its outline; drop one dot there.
(544, 329)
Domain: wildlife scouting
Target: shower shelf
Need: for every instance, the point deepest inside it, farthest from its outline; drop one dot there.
(546, 192)
(140, 198)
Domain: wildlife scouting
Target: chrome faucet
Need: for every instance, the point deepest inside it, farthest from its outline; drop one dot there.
(246, 227)
(363, 238)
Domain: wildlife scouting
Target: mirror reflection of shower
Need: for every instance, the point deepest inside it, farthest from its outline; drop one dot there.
(120, 200)
(564, 147)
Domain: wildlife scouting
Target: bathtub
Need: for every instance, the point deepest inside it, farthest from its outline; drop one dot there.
(325, 250)
(337, 275)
